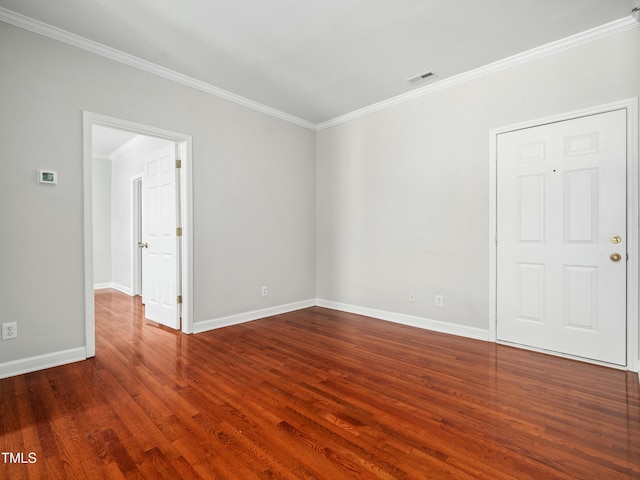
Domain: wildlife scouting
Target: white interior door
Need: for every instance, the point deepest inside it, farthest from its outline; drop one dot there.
(561, 253)
(160, 253)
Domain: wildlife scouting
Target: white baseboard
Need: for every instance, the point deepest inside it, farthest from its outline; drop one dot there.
(207, 325)
(123, 289)
(41, 362)
(419, 322)
(410, 320)
(115, 286)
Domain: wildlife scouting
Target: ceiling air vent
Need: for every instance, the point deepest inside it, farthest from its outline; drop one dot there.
(423, 77)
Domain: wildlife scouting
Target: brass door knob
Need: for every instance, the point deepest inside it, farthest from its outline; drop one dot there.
(615, 257)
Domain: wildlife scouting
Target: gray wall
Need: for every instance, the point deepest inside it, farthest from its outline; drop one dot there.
(253, 191)
(399, 198)
(403, 194)
(101, 221)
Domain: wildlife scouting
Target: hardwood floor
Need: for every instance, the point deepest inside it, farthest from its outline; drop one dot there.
(315, 394)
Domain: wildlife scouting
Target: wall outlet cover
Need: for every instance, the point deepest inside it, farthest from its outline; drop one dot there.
(9, 330)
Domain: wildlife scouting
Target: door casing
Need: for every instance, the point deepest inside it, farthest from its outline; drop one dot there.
(633, 320)
(185, 215)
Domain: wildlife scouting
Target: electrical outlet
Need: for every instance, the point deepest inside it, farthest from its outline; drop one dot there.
(412, 296)
(439, 301)
(265, 291)
(9, 330)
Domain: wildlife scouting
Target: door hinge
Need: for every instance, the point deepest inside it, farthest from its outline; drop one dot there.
(179, 232)
(179, 298)
(178, 163)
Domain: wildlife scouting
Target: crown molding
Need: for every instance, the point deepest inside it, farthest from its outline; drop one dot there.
(608, 29)
(41, 28)
(126, 147)
(56, 33)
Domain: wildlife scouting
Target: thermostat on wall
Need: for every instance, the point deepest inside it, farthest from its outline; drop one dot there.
(47, 176)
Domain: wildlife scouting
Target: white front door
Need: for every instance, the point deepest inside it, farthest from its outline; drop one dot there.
(561, 253)
(160, 261)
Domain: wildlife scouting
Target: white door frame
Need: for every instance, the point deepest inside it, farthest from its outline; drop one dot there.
(90, 119)
(633, 320)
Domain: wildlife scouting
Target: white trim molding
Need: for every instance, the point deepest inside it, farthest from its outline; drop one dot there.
(606, 30)
(41, 362)
(237, 319)
(409, 320)
(125, 147)
(41, 28)
(61, 35)
(633, 220)
(116, 286)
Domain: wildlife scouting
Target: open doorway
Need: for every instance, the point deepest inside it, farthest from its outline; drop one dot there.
(160, 269)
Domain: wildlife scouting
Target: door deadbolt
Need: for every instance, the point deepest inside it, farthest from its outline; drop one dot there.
(615, 239)
(615, 257)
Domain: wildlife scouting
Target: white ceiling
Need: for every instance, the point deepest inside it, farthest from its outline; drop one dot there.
(317, 60)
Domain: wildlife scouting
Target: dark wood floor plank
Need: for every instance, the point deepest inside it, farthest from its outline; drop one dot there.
(316, 394)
